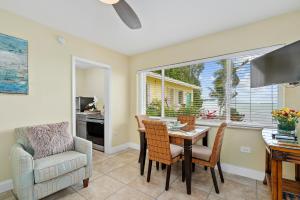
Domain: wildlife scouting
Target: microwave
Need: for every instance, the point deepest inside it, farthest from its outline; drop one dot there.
(82, 102)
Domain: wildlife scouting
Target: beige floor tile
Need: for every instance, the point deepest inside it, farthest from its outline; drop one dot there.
(108, 165)
(66, 194)
(124, 174)
(7, 196)
(128, 156)
(214, 197)
(162, 174)
(99, 156)
(154, 188)
(134, 151)
(239, 179)
(96, 173)
(128, 193)
(202, 180)
(100, 188)
(263, 191)
(237, 191)
(177, 191)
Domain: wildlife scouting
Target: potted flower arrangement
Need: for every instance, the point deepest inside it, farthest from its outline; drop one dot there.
(287, 119)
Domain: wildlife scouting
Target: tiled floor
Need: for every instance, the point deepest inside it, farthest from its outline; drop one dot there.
(117, 177)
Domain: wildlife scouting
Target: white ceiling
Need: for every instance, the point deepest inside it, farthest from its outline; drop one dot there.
(164, 22)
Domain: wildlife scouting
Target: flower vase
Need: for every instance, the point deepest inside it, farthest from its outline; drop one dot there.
(286, 127)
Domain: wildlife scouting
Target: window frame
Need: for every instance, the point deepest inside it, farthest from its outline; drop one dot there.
(142, 74)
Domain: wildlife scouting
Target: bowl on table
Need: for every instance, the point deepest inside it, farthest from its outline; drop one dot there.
(176, 126)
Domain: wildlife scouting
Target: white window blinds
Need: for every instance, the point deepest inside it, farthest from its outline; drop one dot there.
(218, 89)
(251, 104)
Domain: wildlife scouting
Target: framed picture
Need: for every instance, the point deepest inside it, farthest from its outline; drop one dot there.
(13, 65)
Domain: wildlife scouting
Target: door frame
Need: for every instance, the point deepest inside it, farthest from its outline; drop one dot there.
(107, 100)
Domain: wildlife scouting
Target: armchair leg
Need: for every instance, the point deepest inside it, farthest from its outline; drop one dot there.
(86, 183)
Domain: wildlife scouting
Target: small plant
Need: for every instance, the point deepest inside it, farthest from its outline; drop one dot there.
(287, 118)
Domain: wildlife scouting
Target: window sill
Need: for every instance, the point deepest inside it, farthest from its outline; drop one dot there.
(216, 123)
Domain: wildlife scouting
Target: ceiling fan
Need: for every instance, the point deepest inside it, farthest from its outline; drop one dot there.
(125, 12)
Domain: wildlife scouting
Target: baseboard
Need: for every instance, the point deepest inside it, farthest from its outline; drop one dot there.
(242, 171)
(125, 146)
(133, 146)
(6, 185)
(119, 148)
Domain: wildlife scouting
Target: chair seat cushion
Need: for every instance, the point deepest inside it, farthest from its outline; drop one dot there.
(201, 152)
(176, 150)
(56, 165)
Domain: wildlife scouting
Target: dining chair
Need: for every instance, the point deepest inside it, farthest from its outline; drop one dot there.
(205, 156)
(160, 149)
(189, 119)
(140, 119)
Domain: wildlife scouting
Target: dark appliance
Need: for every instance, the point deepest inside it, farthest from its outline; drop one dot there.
(95, 132)
(82, 102)
(279, 66)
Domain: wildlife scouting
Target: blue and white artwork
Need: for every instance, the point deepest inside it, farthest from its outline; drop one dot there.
(13, 65)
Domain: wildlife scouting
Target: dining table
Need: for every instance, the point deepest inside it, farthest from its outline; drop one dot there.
(179, 137)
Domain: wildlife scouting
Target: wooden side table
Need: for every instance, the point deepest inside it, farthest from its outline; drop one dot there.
(276, 153)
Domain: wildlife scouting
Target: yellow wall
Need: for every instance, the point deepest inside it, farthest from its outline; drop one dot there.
(277, 30)
(155, 87)
(49, 98)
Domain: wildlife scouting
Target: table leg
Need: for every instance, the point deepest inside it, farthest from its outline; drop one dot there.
(205, 143)
(274, 179)
(297, 172)
(267, 166)
(188, 164)
(279, 179)
(143, 152)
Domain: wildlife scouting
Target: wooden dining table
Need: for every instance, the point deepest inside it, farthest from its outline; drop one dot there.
(187, 138)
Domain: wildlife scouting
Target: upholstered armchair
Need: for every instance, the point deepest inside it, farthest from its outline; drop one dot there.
(35, 179)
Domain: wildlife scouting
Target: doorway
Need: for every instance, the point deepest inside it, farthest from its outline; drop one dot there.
(96, 97)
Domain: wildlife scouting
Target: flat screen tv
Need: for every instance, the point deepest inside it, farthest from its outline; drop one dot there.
(279, 66)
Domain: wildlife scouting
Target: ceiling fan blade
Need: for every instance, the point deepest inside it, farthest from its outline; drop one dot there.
(127, 15)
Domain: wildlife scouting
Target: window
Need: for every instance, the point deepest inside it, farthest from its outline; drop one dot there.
(216, 89)
(180, 97)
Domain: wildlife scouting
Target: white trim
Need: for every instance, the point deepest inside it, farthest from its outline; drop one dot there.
(134, 146)
(228, 91)
(242, 171)
(125, 146)
(6, 185)
(162, 92)
(119, 148)
(107, 113)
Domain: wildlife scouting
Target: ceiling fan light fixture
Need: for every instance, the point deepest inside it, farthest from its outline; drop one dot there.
(110, 1)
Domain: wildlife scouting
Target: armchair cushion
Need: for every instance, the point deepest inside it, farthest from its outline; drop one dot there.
(59, 164)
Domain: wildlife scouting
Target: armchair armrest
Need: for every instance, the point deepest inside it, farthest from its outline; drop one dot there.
(85, 147)
(22, 172)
